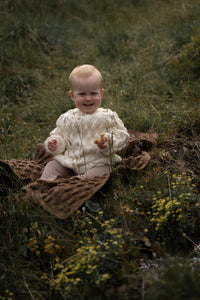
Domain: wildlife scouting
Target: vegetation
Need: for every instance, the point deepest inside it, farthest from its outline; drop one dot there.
(140, 238)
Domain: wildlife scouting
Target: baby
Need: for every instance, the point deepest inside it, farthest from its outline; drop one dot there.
(87, 138)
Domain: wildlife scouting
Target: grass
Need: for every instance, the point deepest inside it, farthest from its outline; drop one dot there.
(148, 53)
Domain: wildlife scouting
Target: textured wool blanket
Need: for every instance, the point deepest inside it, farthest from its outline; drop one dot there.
(64, 196)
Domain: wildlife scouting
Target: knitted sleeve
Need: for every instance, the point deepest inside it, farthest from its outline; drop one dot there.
(57, 134)
(117, 134)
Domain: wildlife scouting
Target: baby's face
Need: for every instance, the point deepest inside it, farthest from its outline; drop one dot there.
(87, 93)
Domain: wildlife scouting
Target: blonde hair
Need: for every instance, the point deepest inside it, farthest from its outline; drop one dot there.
(84, 71)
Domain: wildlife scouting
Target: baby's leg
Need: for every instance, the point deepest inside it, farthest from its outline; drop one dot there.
(96, 171)
(54, 169)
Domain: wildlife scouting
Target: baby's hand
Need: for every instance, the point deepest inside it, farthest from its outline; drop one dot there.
(52, 145)
(101, 142)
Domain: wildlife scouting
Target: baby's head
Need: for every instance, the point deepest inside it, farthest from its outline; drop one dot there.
(86, 88)
(84, 72)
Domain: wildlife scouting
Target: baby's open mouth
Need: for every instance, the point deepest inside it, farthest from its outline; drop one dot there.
(88, 104)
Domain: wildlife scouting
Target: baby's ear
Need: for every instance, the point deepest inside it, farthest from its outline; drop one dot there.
(71, 95)
(102, 91)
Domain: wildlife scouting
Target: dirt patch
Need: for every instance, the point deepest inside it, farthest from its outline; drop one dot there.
(181, 153)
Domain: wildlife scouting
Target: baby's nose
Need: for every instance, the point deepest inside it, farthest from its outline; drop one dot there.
(88, 97)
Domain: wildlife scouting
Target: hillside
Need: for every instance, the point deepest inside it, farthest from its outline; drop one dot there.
(140, 238)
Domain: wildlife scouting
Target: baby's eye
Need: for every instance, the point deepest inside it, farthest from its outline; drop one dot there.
(81, 94)
(94, 93)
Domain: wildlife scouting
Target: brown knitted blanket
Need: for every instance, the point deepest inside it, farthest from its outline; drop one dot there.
(64, 196)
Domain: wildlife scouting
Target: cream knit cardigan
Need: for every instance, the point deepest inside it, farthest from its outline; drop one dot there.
(75, 134)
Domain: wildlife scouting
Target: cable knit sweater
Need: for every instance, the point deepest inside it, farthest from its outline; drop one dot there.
(75, 134)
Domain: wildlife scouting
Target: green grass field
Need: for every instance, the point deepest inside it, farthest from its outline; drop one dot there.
(144, 242)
